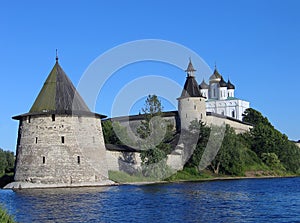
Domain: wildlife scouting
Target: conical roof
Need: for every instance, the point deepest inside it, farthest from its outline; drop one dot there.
(190, 67)
(191, 88)
(58, 96)
(203, 85)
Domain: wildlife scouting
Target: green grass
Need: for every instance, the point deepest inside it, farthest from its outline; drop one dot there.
(5, 217)
(122, 177)
(190, 174)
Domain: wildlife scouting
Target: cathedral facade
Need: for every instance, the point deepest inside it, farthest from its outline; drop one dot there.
(220, 98)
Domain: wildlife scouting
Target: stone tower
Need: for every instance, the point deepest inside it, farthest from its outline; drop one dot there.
(60, 141)
(191, 103)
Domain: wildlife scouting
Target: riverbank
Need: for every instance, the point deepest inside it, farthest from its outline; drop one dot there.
(184, 176)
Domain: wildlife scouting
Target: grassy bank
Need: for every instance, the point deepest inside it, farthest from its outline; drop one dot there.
(192, 174)
(5, 217)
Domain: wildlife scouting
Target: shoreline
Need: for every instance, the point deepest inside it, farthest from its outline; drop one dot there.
(206, 180)
(138, 183)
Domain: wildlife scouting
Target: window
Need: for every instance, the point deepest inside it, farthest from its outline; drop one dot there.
(201, 116)
(195, 107)
(93, 139)
(78, 159)
(62, 139)
(186, 115)
(36, 139)
(233, 114)
(214, 93)
(44, 160)
(29, 119)
(53, 118)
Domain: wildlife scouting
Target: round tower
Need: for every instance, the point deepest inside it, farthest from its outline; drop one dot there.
(60, 141)
(191, 103)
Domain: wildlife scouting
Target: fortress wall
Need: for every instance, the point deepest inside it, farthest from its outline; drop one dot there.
(239, 127)
(66, 150)
(128, 162)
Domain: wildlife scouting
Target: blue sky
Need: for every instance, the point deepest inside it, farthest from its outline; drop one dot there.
(255, 43)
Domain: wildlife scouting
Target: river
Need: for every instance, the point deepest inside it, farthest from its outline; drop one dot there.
(247, 200)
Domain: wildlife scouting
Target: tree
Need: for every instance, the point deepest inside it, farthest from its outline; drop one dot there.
(265, 139)
(153, 131)
(7, 162)
(254, 117)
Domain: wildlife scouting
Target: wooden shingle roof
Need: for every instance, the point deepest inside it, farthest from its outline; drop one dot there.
(58, 96)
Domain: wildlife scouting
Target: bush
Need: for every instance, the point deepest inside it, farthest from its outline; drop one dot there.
(5, 217)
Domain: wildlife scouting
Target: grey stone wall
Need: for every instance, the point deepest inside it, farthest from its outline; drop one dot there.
(66, 149)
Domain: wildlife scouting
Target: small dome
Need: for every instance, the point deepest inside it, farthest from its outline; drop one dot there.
(230, 85)
(203, 85)
(222, 83)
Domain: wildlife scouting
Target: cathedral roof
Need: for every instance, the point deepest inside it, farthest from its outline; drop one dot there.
(203, 85)
(58, 96)
(222, 83)
(230, 85)
(215, 75)
(191, 88)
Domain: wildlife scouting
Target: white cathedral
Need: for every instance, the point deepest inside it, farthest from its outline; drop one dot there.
(220, 97)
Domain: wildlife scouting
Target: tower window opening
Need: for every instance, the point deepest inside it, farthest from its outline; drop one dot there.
(29, 119)
(53, 118)
(233, 114)
(78, 159)
(195, 107)
(44, 160)
(36, 139)
(62, 139)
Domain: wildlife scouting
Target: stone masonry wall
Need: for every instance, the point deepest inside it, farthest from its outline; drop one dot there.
(65, 149)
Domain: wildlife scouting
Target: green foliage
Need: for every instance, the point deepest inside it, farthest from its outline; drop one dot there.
(254, 117)
(265, 139)
(7, 161)
(203, 134)
(155, 132)
(272, 160)
(116, 134)
(4, 217)
(109, 134)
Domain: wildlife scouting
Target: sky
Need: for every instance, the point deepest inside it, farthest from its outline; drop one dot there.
(255, 43)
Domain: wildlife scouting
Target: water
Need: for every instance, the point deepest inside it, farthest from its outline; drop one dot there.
(251, 200)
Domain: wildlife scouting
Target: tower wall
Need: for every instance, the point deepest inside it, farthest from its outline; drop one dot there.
(60, 149)
(189, 109)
